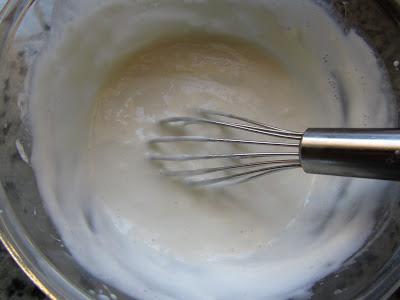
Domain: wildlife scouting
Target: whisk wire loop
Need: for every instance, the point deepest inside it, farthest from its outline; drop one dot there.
(238, 171)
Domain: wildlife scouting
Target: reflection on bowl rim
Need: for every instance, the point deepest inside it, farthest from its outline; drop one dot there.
(14, 238)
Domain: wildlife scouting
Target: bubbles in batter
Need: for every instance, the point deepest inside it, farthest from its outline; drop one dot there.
(169, 78)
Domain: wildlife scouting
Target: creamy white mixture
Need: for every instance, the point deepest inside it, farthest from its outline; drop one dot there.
(113, 68)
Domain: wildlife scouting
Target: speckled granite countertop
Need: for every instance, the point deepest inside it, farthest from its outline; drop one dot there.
(14, 284)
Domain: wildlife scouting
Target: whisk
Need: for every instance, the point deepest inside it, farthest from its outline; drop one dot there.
(364, 153)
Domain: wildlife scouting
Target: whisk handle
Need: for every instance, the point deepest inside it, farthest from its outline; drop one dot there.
(366, 153)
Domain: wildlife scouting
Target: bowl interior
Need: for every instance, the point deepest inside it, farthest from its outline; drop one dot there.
(30, 235)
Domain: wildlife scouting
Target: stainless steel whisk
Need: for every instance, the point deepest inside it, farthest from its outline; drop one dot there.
(364, 153)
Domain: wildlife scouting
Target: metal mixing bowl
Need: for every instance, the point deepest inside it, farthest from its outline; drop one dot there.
(30, 237)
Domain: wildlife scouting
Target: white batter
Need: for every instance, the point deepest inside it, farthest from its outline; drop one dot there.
(108, 75)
